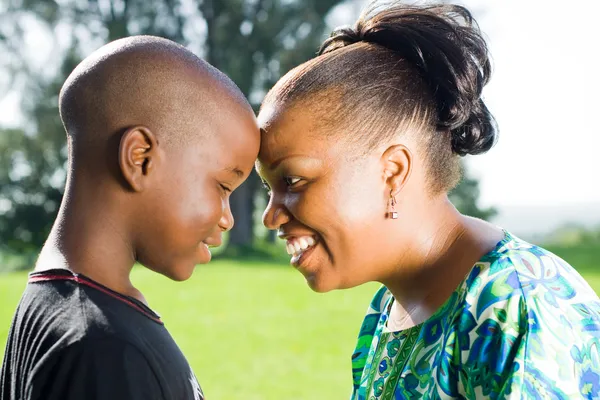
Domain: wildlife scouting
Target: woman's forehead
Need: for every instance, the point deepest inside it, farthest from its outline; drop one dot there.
(310, 109)
(288, 148)
(300, 120)
(303, 127)
(291, 131)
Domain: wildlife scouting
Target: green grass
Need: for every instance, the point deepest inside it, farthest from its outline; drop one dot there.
(585, 258)
(256, 331)
(249, 331)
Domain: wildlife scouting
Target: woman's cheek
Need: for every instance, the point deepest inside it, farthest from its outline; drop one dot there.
(316, 209)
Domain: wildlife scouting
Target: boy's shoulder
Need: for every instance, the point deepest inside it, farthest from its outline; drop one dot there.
(76, 307)
(60, 309)
(66, 320)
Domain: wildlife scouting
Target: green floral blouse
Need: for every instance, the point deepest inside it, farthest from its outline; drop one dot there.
(522, 325)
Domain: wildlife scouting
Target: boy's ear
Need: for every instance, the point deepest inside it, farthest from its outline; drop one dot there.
(137, 152)
(397, 165)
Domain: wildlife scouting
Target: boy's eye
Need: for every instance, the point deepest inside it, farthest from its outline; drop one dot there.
(291, 180)
(225, 188)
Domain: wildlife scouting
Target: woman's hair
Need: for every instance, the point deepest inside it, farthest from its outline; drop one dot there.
(403, 69)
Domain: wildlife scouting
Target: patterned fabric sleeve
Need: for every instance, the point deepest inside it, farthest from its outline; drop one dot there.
(492, 366)
(366, 334)
(536, 334)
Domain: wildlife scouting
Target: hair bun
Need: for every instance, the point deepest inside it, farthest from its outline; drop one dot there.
(445, 46)
(340, 37)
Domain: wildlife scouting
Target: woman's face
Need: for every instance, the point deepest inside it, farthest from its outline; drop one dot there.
(327, 203)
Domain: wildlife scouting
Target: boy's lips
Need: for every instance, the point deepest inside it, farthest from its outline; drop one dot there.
(213, 242)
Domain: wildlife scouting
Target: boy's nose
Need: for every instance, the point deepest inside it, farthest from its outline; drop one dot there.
(275, 214)
(226, 222)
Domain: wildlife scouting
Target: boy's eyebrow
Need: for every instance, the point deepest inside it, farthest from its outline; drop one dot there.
(236, 171)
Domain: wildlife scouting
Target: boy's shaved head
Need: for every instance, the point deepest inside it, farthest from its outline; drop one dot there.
(142, 80)
(158, 140)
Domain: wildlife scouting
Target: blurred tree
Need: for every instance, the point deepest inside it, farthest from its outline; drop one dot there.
(33, 159)
(252, 41)
(32, 168)
(466, 195)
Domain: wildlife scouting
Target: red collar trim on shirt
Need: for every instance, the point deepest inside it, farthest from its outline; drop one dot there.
(86, 281)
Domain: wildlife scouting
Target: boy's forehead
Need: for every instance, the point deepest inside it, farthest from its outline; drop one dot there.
(211, 159)
(231, 141)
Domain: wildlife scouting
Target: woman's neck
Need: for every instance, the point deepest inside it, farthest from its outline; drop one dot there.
(443, 251)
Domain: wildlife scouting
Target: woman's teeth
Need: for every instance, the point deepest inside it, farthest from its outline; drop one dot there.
(298, 245)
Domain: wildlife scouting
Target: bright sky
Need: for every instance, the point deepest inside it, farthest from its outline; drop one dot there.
(545, 93)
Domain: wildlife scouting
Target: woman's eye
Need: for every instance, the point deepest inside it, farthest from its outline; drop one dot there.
(266, 186)
(291, 180)
(225, 188)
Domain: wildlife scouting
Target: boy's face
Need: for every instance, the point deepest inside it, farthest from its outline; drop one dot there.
(187, 207)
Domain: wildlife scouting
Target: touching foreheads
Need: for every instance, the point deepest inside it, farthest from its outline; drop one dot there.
(402, 69)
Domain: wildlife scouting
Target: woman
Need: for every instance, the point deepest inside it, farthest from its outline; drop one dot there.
(360, 147)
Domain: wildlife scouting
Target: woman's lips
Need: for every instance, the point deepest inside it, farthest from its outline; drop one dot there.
(299, 244)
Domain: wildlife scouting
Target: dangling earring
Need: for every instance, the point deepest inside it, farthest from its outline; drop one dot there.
(392, 214)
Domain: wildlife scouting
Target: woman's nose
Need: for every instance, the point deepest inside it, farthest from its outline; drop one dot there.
(275, 214)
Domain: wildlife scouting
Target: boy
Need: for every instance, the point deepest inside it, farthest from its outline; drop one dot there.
(158, 139)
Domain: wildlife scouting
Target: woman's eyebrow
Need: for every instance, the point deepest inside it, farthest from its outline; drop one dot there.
(276, 163)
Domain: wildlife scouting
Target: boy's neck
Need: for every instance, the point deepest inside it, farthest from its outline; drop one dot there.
(86, 239)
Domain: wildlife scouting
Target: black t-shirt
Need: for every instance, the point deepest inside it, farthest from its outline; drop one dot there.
(73, 338)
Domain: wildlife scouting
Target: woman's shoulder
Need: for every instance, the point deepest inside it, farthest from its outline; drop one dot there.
(380, 301)
(538, 312)
(519, 269)
(532, 264)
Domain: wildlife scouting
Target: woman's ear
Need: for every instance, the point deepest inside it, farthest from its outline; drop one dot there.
(137, 153)
(397, 165)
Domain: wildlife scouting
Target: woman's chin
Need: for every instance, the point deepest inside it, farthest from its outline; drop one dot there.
(319, 283)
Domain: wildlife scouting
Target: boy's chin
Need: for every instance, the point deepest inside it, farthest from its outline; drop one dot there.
(183, 269)
(179, 274)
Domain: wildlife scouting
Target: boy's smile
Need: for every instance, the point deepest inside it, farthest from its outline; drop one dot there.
(190, 195)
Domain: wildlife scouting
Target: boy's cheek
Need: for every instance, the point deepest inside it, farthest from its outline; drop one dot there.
(202, 215)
